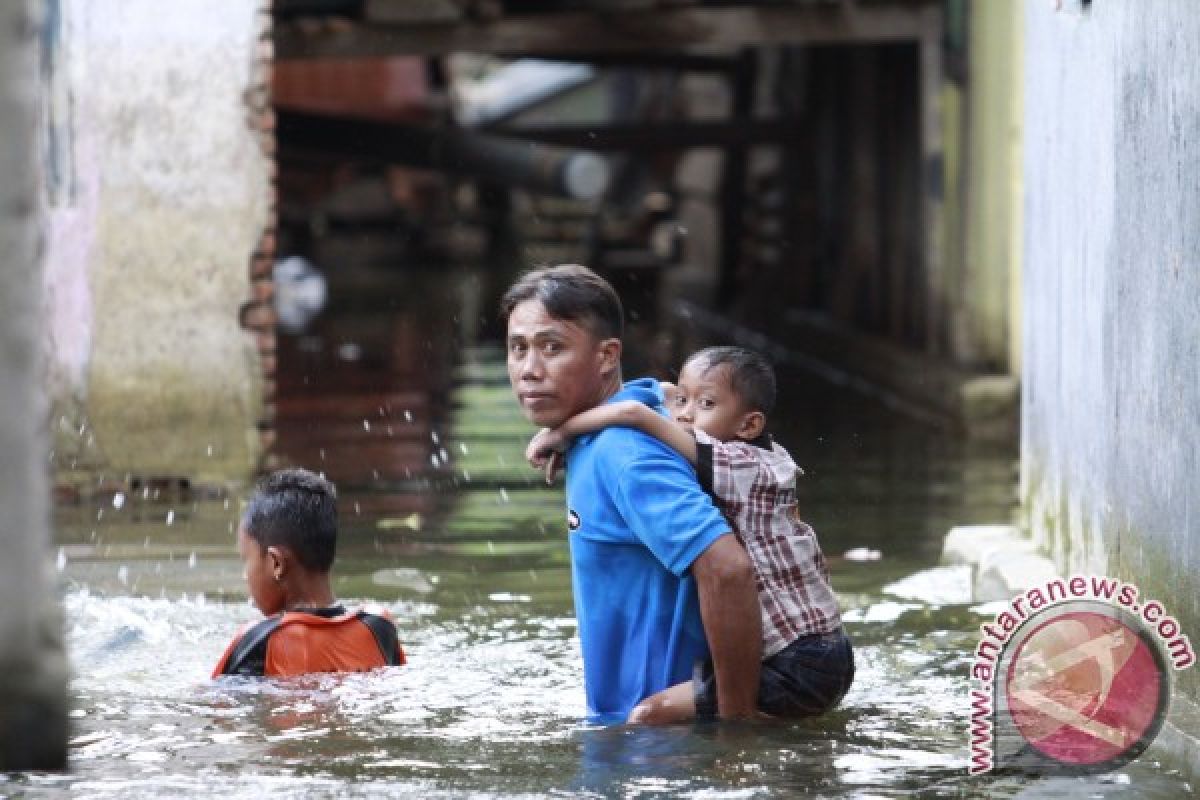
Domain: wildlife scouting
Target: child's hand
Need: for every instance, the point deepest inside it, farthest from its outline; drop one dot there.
(545, 450)
(543, 443)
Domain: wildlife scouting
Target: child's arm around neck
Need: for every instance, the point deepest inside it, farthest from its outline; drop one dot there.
(623, 414)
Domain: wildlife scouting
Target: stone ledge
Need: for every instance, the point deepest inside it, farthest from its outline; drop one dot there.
(981, 405)
(1003, 562)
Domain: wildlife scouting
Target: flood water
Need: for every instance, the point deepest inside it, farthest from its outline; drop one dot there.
(448, 529)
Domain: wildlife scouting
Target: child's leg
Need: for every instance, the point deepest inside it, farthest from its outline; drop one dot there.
(676, 704)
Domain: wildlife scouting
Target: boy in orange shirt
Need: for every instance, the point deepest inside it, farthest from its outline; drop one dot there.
(287, 540)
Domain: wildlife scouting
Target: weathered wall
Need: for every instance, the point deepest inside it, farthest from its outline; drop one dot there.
(33, 714)
(1111, 390)
(157, 191)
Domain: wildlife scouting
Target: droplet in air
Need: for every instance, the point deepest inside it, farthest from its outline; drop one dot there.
(171, 517)
(466, 476)
(192, 560)
(366, 424)
(123, 575)
(118, 500)
(407, 415)
(61, 561)
(462, 448)
(503, 495)
(433, 459)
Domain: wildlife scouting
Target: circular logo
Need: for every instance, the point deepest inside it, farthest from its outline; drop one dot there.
(1086, 686)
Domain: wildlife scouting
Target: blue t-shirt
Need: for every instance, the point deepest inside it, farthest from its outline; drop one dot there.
(638, 519)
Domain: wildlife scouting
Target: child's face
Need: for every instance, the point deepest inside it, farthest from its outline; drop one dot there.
(259, 569)
(704, 399)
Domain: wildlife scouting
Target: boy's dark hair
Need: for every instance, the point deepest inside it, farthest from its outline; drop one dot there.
(297, 509)
(570, 292)
(751, 376)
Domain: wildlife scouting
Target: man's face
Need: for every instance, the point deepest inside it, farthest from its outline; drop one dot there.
(557, 368)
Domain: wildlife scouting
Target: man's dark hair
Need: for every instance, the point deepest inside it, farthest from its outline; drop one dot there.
(570, 292)
(751, 376)
(297, 509)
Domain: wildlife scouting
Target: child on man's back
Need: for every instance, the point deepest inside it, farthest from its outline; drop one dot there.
(287, 540)
(719, 410)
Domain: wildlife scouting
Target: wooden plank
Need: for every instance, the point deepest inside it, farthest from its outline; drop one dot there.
(663, 135)
(595, 32)
(414, 11)
(733, 182)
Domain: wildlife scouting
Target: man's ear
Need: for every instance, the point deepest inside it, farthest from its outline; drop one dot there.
(277, 562)
(609, 353)
(752, 425)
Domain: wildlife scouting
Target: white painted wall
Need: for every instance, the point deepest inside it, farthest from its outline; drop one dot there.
(1111, 388)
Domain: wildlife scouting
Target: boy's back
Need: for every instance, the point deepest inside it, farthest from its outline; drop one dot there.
(320, 640)
(754, 484)
(287, 540)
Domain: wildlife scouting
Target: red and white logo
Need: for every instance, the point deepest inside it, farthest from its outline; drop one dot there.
(1085, 688)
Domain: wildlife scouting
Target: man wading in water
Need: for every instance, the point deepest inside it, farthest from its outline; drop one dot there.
(660, 582)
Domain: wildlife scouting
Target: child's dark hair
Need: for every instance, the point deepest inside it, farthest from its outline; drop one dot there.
(570, 292)
(751, 376)
(297, 509)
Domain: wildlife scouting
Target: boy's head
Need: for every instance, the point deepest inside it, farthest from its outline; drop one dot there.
(287, 535)
(727, 392)
(563, 341)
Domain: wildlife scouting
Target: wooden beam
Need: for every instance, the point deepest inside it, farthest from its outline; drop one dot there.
(664, 135)
(733, 182)
(648, 60)
(612, 32)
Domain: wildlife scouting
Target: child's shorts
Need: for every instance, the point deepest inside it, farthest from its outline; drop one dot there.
(806, 678)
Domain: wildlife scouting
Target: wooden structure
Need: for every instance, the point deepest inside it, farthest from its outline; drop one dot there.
(823, 215)
(877, 193)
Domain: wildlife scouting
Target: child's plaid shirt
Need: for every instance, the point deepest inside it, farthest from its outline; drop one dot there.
(755, 486)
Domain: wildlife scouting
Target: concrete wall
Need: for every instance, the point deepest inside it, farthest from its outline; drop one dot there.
(33, 712)
(1111, 390)
(157, 187)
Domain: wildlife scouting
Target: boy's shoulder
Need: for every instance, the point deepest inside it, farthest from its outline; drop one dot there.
(772, 464)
